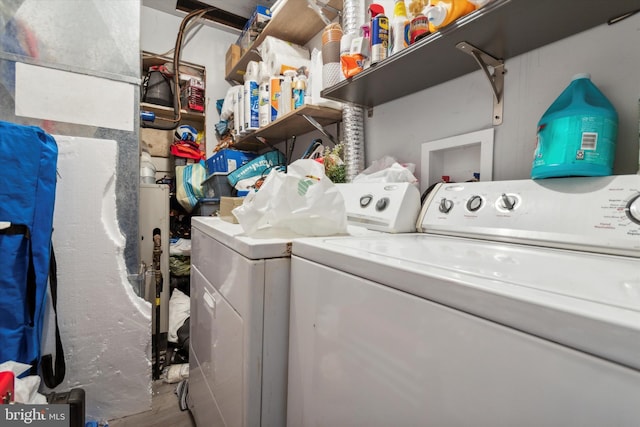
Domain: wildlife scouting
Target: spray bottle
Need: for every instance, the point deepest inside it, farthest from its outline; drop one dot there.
(379, 33)
(299, 89)
(399, 28)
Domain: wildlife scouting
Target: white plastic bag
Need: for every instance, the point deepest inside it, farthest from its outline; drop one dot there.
(387, 169)
(303, 200)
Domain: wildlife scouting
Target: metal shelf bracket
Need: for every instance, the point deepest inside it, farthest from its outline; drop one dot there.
(321, 129)
(496, 79)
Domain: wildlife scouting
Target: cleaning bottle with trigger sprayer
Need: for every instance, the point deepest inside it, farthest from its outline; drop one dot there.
(299, 89)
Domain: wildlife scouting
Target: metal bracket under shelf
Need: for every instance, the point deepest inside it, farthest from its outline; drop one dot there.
(321, 129)
(496, 79)
(325, 5)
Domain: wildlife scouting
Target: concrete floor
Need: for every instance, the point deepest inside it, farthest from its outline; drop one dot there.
(165, 411)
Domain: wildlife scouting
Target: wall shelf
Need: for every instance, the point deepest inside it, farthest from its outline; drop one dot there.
(287, 126)
(503, 29)
(192, 116)
(295, 22)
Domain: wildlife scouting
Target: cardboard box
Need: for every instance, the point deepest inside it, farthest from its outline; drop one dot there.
(232, 58)
(254, 26)
(227, 204)
(158, 142)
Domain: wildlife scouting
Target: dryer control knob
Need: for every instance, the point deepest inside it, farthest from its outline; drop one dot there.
(382, 204)
(445, 205)
(365, 200)
(633, 209)
(474, 203)
(507, 202)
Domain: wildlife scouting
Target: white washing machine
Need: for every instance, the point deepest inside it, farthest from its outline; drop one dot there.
(240, 307)
(517, 305)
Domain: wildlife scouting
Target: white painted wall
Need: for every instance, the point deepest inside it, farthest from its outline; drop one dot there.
(205, 46)
(532, 82)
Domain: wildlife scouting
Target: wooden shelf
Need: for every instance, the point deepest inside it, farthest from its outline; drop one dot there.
(295, 22)
(503, 29)
(160, 110)
(287, 126)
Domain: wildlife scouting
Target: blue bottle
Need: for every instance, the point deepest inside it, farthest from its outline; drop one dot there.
(577, 134)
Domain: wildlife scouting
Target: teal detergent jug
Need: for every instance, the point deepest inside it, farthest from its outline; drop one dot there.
(577, 134)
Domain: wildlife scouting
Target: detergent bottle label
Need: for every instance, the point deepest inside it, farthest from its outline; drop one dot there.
(587, 141)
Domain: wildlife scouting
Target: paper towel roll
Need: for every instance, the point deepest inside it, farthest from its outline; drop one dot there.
(330, 74)
(272, 46)
(252, 72)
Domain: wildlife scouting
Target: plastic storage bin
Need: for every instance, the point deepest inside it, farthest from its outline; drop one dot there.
(228, 160)
(577, 134)
(216, 185)
(207, 207)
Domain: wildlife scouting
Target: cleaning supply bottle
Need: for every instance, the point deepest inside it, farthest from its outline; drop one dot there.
(264, 101)
(379, 33)
(441, 13)
(286, 96)
(299, 89)
(399, 28)
(577, 134)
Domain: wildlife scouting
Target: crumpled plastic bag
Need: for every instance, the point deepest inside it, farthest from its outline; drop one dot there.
(387, 169)
(26, 389)
(303, 201)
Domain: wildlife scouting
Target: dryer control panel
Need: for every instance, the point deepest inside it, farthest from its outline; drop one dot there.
(595, 214)
(388, 207)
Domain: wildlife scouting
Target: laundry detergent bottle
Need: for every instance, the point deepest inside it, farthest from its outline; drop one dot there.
(577, 134)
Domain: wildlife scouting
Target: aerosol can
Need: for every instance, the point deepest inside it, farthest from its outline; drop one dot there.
(379, 33)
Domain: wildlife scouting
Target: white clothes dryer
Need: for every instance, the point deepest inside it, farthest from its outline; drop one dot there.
(517, 305)
(240, 307)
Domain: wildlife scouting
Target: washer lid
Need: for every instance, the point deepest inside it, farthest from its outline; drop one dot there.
(268, 245)
(587, 301)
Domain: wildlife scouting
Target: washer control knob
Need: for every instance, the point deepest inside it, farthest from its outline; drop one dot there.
(507, 202)
(633, 209)
(365, 200)
(474, 203)
(382, 204)
(445, 205)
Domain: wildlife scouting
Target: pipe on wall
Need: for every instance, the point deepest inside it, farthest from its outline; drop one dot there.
(353, 115)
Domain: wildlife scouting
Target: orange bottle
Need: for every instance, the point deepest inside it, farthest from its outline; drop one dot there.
(441, 13)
